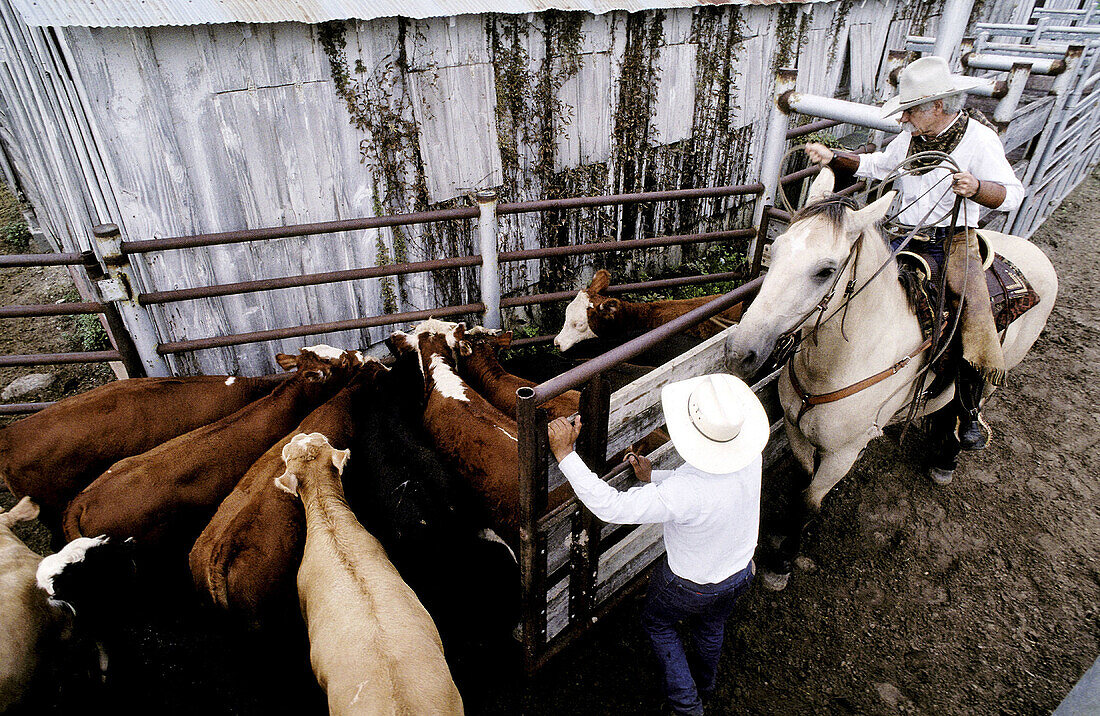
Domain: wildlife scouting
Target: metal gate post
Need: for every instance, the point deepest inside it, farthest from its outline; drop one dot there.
(121, 290)
(1017, 221)
(775, 144)
(490, 266)
(1006, 106)
(956, 14)
(584, 558)
(131, 361)
(533, 449)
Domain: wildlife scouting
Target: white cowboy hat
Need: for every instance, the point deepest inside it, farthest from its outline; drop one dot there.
(925, 80)
(716, 422)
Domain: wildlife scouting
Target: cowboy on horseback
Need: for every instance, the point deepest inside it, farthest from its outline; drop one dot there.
(930, 101)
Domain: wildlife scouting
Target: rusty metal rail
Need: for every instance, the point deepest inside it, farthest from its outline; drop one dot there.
(315, 328)
(59, 358)
(52, 309)
(421, 217)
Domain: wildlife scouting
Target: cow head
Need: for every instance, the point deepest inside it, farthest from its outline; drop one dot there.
(305, 448)
(321, 362)
(591, 314)
(484, 341)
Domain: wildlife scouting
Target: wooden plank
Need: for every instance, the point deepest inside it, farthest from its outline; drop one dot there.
(455, 108)
(439, 42)
(1028, 121)
(673, 115)
(636, 408)
(582, 130)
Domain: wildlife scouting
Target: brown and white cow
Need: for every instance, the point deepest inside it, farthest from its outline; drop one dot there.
(593, 315)
(248, 554)
(372, 645)
(478, 365)
(164, 497)
(54, 454)
(479, 440)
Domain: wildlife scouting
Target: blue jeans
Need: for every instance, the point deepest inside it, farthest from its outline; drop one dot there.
(705, 607)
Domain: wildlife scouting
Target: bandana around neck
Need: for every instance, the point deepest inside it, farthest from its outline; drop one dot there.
(945, 142)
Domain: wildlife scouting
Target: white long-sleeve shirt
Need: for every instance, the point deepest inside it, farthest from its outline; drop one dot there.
(979, 152)
(711, 522)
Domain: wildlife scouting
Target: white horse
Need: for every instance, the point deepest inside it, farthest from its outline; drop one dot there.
(880, 331)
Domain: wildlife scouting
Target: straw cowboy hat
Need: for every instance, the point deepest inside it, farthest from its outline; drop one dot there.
(715, 421)
(925, 80)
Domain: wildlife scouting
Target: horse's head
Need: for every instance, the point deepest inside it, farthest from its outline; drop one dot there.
(804, 264)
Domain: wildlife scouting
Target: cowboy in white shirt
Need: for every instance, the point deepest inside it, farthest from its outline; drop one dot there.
(710, 509)
(930, 101)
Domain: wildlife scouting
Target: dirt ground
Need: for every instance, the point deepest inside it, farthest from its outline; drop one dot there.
(976, 598)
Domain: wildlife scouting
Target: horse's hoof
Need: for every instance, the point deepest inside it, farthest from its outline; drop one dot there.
(775, 581)
(941, 476)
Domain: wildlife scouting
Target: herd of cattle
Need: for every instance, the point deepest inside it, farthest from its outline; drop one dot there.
(353, 494)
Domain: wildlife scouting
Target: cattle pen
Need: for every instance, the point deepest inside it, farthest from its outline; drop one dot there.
(574, 568)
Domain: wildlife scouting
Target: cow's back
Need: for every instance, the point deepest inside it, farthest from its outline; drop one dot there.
(55, 453)
(373, 646)
(174, 489)
(246, 557)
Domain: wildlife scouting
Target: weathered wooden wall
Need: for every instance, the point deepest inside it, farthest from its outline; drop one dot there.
(174, 131)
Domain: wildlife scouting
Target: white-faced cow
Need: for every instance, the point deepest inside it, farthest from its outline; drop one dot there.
(54, 454)
(247, 556)
(165, 497)
(594, 315)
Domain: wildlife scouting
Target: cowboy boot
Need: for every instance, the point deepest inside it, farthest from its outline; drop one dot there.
(974, 434)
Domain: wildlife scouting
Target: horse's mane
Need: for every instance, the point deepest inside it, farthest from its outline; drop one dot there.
(833, 208)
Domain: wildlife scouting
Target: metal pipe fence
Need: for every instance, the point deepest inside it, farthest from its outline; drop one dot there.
(488, 260)
(116, 330)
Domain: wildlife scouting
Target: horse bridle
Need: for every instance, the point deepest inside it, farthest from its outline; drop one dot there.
(786, 341)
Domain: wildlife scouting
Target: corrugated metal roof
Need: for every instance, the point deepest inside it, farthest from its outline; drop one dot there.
(154, 13)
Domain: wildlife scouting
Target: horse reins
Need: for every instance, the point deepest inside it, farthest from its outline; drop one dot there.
(809, 400)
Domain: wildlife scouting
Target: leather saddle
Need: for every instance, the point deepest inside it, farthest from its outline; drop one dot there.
(1010, 295)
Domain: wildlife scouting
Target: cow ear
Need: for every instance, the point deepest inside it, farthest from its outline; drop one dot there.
(460, 332)
(339, 459)
(600, 281)
(504, 339)
(610, 307)
(286, 362)
(464, 348)
(287, 482)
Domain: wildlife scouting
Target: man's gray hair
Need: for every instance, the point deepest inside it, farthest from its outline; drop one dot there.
(951, 103)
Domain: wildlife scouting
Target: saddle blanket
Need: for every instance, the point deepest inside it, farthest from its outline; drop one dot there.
(1010, 295)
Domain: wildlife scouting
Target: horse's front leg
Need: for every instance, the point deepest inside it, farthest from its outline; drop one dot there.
(828, 467)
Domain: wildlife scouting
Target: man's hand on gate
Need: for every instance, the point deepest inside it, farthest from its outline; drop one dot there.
(562, 433)
(964, 184)
(819, 153)
(643, 468)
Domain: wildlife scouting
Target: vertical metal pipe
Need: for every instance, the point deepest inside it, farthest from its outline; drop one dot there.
(761, 240)
(775, 144)
(121, 289)
(531, 423)
(1006, 106)
(956, 14)
(116, 328)
(1040, 26)
(490, 266)
(584, 558)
